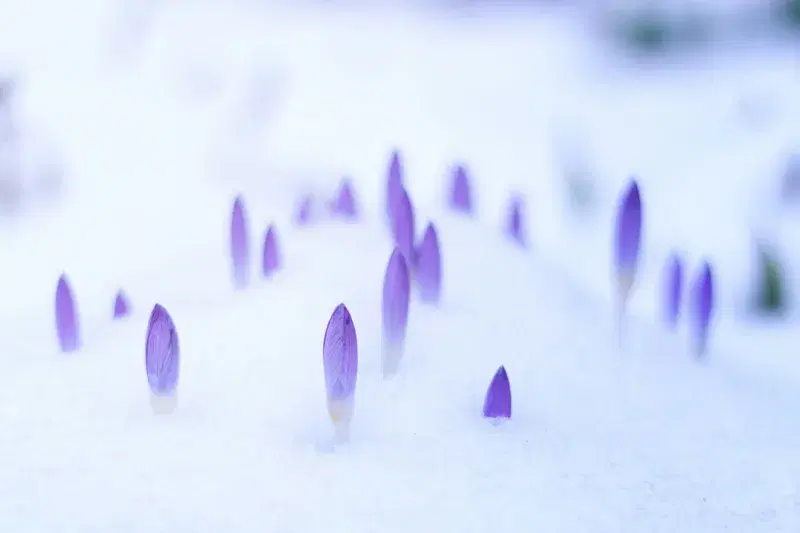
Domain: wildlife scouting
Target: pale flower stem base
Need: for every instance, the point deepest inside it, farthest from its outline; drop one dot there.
(163, 404)
(624, 286)
(341, 413)
(391, 353)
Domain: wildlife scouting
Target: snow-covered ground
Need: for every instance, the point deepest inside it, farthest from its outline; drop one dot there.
(636, 439)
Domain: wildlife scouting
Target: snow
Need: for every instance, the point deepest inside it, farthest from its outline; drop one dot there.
(604, 438)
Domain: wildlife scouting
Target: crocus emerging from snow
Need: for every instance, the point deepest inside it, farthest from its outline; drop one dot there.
(396, 292)
(344, 204)
(303, 214)
(402, 218)
(121, 306)
(429, 267)
(498, 397)
(673, 288)
(460, 192)
(514, 225)
(67, 326)
(627, 242)
(394, 180)
(240, 248)
(703, 308)
(340, 367)
(271, 259)
(162, 359)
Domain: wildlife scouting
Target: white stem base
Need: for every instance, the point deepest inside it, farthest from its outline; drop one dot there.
(163, 404)
(341, 413)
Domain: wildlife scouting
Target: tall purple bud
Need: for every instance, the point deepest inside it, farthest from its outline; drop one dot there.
(394, 180)
(402, 218)
(702, 308)
(121, 306)
(627, 242)
(340, 367)
(429, 267)
(67, 325)
(240, 247)
(673, 289)
(271, 258)
(396, 293)
(162, 360)
(497, 404)
(344, 204)
(460, 191)
(514, 224)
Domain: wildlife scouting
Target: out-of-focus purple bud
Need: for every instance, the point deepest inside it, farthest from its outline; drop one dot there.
(498, 397)
(67, 326)
(673, 289)
(394, 180)
(396, 297)
(429, 267)
(703, 308)
(514, 225)
(240, 246)
(344, 204)
(162, 353)
(271, 259)
(340, 367)
(627, 240)
(460, 192)
(402, 214)
(121, 306)
(302, 216)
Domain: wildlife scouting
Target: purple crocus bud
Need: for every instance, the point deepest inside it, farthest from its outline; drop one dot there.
(627, 241)
(67, 326)
(460, 193)
(302, 216)
(121, 306)
(344, 204)
(498, 397)
(429, 267)
(402, 217)
(271, 260)
(340, 366)
(514, 226)
(162, 359)
(240, 248)
(396, 294)
(703, 307)
(394, 180)
(673, 287)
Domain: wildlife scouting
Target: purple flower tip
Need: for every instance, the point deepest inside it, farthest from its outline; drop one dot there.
(673, 288)
(394, 180)
(514, 226)
(396, 297)
(340, 355)
(703, 305)
(627, 239)
(460, 193)
(121, 305)
(240, 247)
(498, 397)
(162, 353)
(271, 260)
(345, 203)
(67, 327)
(402, 219)
(429, 266)
(303, 214)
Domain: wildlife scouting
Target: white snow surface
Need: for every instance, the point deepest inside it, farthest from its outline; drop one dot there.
(630, 438)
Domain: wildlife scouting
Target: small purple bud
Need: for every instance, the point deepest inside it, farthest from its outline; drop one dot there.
(429, 267)
(396, 294)
(460, 193)
(67, 326)
(121, 306)
(240, 248)
(627, 240)
(673, 288)
(345, 203)
(703, 307)
(162, 353)
(394, 180)
(514, 226)
(498, 397)
(340, 355)
(271, 258)
(402, 217)
(302, 216)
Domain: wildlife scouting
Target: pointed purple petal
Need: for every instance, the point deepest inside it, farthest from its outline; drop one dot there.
(673, 287)
(162, 353)
(121, 305)
(303, 214)
(345, 203)
(271, 260)
(240, 248)
(429, 267)
(627, 238)
(394, 180)
(402, 214)
(460, 193)
(514, 225)
(396, 294)
(498, 397)
(340, 355)
(703, 304)
(67, 326)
